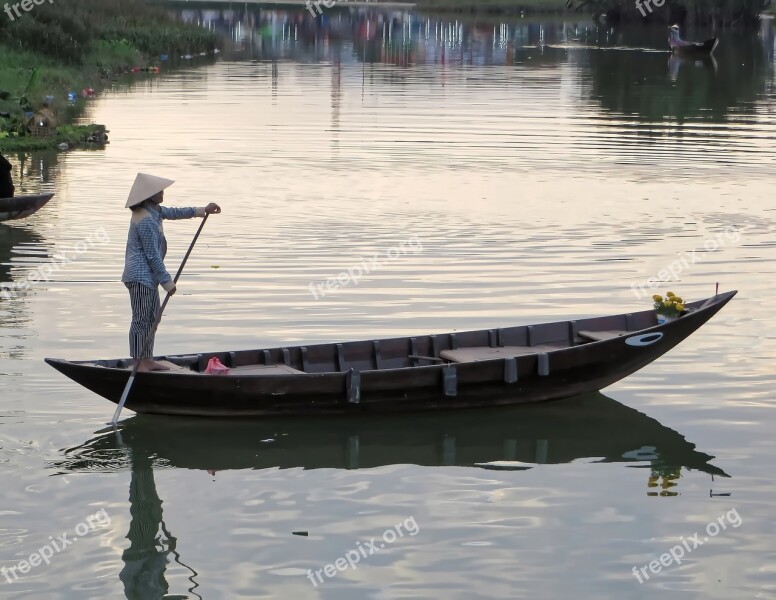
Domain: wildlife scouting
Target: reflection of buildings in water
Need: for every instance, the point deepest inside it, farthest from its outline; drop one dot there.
(336, 104)
(393, 37)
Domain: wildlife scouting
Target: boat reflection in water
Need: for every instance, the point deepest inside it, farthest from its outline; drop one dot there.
(562, 431)
(678, 63)
(590, 426)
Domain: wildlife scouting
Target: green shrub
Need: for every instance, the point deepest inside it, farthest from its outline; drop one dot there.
(69, 30)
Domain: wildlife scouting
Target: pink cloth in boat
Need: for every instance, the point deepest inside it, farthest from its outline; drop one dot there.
(216, 367)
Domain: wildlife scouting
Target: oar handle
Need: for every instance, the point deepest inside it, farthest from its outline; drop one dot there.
(188, 252)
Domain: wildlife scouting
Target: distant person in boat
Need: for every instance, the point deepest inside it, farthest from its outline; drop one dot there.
(144, 269)
(7, 189)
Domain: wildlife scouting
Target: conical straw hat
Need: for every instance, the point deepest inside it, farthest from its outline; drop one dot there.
(146, 186)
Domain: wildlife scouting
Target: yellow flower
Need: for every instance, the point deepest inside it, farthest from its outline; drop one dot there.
(667, 304)
(670, 294)
(680, 307)
(657, 298)
(677, 299)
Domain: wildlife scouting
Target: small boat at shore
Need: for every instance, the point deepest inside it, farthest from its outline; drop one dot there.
(490, 367)
(684, 48)
(20, 207)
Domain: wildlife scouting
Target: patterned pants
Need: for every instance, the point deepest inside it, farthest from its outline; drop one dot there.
(145, 310)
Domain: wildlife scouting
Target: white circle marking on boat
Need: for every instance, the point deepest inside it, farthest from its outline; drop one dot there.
(644, 340)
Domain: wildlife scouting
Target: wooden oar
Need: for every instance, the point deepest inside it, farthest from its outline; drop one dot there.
(131, 380)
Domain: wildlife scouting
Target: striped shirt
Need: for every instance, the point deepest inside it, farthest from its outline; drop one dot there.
(147, 246)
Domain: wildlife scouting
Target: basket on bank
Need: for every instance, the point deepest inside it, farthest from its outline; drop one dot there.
(42, 125)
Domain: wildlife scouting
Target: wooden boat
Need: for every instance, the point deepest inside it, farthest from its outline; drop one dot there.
(682, 47)
(505, 438)
(20, 207)
(491, 367)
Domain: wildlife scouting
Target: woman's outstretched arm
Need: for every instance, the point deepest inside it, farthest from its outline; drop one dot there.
(172, 213)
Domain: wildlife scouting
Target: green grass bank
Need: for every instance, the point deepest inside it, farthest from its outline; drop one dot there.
(74, 45)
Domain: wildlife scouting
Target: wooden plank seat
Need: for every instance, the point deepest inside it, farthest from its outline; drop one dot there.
(172, 366)
(478, 353)
(265, 370)
(600, 336)
(245, 370)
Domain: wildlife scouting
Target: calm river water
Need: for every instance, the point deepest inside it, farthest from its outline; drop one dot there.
(545, 169)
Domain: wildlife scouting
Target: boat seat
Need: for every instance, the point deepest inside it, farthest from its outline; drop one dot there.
(173, 368)
(264, 370)
(477, 353)
(605, 334)
(245, 370)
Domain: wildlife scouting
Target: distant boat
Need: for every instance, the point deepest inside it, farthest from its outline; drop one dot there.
(492, 367)
(679, 46)
(21, 207)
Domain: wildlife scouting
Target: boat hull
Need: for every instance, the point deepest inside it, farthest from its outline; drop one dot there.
(541, 376)
(21, 207)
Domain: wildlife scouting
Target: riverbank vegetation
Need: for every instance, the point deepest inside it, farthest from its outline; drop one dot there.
(80, 47)
(696, 12)
(506, 7)
(699, 12)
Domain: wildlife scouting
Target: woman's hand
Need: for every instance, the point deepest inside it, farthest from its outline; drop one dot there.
(212, 208)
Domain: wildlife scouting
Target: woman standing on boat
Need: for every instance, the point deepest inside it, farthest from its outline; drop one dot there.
(7, 189)
(144, 269)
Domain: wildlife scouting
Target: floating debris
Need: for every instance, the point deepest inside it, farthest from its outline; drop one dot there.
(505, 465)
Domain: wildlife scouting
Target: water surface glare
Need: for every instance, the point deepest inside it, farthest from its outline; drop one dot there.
(541, 171)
